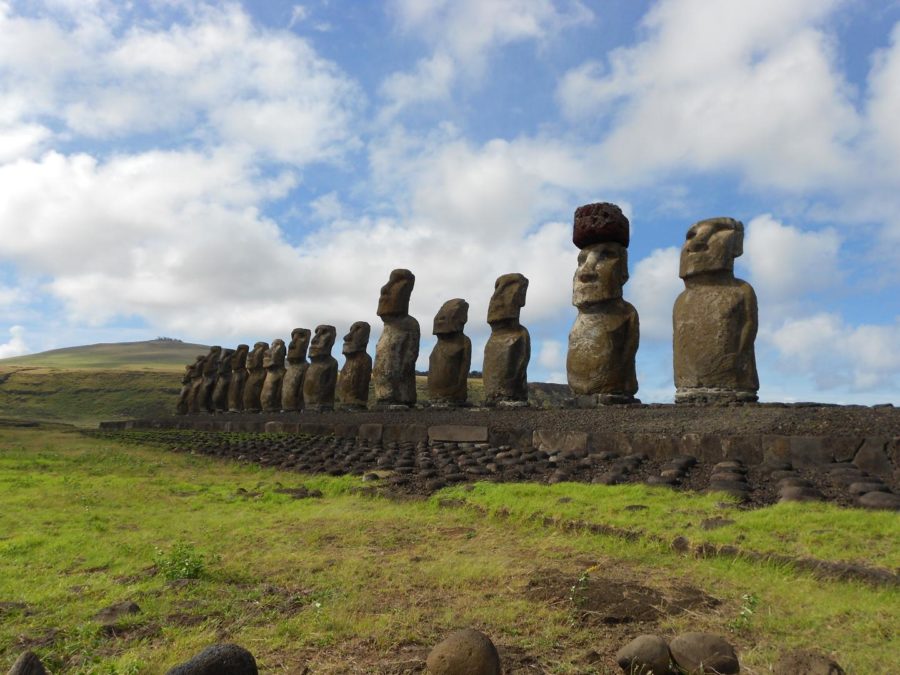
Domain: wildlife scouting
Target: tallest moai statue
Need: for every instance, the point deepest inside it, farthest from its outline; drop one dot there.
(394, 372)
(714, 319)
(604, 338)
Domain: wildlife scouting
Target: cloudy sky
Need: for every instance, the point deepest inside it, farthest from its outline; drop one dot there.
(223, 172)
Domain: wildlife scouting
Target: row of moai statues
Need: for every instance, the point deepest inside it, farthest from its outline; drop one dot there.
(714, 329)
(240, 380)
(714, 318)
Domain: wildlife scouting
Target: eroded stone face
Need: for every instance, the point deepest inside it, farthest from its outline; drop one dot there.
(292, 384)
(715, 319)
(395, 294)
(604, 339)
(209, 369)
(321, 376)
(394, 371)
(508, 349)
(238, 378)
(355, 376)
(192, 372)
(223, 381)
(273, 360)
(256, 376)
(451, 358)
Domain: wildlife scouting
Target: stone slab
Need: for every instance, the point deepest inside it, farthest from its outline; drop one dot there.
(370, 432)
(404, 433)
(563, 442)
(873, 457)
(458, 433)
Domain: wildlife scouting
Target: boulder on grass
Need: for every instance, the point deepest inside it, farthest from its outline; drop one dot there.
(645, 655)
(805, 662)
(27, 664)
(465, 652)
(224, 659)
(701, 653)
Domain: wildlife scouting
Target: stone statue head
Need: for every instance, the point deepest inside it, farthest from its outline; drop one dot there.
(211, 362)
(274, 355)
(508, 298)
(357, 339)
(299, 343)
(322, 341)
(239, 357)
(394, 298)
(451, 317)
(224, 367)
(255, 358)
(197, 366)
(711, 245)
(601, 273)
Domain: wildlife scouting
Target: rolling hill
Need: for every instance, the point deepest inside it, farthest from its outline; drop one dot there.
(162, 354)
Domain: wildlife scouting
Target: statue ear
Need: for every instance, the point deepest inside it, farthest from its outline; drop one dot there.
(737, 246)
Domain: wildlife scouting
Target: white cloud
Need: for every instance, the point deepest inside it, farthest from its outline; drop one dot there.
(838, 355)
(735, 85)
(652, 289)
(552, 355)
(15, 346)
(430, 81)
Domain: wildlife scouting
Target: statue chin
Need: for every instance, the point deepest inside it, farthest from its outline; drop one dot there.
(588, 295)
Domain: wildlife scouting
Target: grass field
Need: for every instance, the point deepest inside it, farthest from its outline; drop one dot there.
(350, 581)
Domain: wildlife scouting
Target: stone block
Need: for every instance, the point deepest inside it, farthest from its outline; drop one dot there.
(705, 447)
(747, 449)
(809, 451)
(273, 427)
(610, 442)
(370, 432)
(290, 427)
(776, 448)
(843, 448)
(404, 433)
(458, 433)
(873, 457)
(564, 442)
(656, 446)
(315, 429)
(346, 430)
(515, 438)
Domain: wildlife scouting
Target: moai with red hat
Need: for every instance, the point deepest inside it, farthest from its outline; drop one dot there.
(604, 339)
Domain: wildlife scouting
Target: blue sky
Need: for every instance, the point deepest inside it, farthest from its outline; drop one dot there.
(224, 172)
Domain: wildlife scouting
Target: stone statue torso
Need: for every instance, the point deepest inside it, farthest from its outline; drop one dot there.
(448, 369)
(292, 385)
(505, 369)
(394, 372)
(319, 383)
(602, 347)
(353, 383)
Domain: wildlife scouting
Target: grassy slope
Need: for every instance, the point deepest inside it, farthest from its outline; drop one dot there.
(354, 583)
(84, 385)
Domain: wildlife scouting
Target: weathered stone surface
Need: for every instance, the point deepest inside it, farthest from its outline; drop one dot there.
(117, 611)
(208, 382)
(657, 446)
(715, 318)
(256, 377)
(192, 372)
(224, 659)
(354, 378)
(873, 457)
(508, 349)
(604, 338)
(809, 451)
(394, 371)
(274, 427)
(645, 655)
(238, 363)
(776, 449)
(880, 500)
(706, 447)
(27, 664)
(451, 358)
(292, 384)
(747, 449)
(799, 494)
(404, 433)
(457, 433)
(600, 222)
(805, 662)
(321, 377)
(465, 652)
(370, 432)
(565, 442)
(223, 382)
(698, 653)
(273, 362)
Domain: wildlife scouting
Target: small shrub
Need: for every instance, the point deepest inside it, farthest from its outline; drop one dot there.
(182, 562)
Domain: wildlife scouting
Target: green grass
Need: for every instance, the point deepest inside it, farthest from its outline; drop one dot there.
(350, 582)
(150, 354)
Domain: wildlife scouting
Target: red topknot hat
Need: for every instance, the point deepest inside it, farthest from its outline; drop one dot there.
(596, 223)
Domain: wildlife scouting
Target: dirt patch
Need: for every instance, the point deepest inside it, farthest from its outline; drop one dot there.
(594, 599)
(298, 492)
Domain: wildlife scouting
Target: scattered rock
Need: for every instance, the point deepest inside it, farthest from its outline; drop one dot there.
(222, 659)
(645, 655)
(27, 664)
(805, 662)
(713, 523)
(880, 500)
(799, 494)
(113, 613)
(465, 652)
(699, 653)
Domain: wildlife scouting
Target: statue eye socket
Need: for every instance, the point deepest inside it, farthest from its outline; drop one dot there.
(691, 234)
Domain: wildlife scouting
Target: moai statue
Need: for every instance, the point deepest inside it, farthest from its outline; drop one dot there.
(223, 382)
(194, 396)
(292, 386)
(210, 368)
(321, 376)
(448, 365)
(187, 380)
(273, 362)
(508, 350)
(256, 377)
(238, 364)
(604, 339)
(394, 372)
(353, 382)
(715, 318)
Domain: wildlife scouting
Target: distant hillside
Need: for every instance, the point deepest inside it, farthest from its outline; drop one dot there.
(150, 354)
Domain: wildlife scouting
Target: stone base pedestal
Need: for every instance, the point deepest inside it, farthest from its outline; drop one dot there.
(508, 405)
(318, 407)
(714, 395)
(597, 400)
